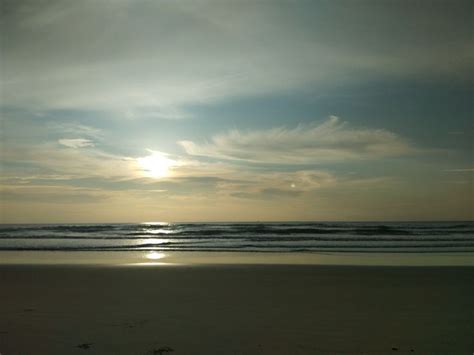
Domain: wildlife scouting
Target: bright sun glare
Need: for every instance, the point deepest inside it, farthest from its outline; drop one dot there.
(156, 165)
(154, 255)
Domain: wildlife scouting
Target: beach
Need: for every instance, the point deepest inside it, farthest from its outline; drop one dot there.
(236, 177)
(238, 308)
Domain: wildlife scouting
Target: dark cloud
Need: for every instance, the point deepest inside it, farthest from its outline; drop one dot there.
(151, 58)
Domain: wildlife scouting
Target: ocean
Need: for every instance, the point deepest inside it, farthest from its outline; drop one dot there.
(420, 237)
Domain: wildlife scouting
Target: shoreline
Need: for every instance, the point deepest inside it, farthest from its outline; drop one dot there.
(158, 258)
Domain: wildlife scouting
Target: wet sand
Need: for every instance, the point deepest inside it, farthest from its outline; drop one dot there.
(236, 309)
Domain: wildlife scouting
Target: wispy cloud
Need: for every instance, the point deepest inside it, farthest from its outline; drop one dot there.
(71, 161)
(332, 140)
(76, 129)
(76, 143)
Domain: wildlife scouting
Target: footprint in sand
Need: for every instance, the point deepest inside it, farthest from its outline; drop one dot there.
(161, 351)
(84, 346)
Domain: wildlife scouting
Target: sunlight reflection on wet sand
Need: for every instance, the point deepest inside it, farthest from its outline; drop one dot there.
(157, 257)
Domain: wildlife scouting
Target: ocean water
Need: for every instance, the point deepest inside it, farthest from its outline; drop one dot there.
(262, 237)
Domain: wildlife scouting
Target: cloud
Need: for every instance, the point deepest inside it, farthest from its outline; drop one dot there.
(73, 163)
(153, 58)
(49, 165)
(51, 194)
(76, 143)
(49, 159)
(269, 193)
(74, 179)
(245, 183)
(332, 140)
(461, 170)
(77, 129)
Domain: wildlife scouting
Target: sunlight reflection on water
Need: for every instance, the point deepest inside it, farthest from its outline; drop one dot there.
(156, 223)
(154, 241)
(158, 231)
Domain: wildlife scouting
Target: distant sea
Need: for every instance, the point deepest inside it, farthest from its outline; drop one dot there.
(262, 237)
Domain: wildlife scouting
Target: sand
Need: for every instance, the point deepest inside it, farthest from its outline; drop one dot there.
(241, 258)
(235, 309)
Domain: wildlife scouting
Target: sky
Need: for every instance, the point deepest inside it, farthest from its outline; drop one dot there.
(130, 111)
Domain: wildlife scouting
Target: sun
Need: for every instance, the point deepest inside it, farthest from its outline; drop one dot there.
(156, 165)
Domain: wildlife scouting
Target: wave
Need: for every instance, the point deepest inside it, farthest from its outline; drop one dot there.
(288, 236)
(253, 238)
(418, 249)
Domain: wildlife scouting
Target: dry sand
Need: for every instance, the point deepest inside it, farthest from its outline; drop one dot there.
(235, 309)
